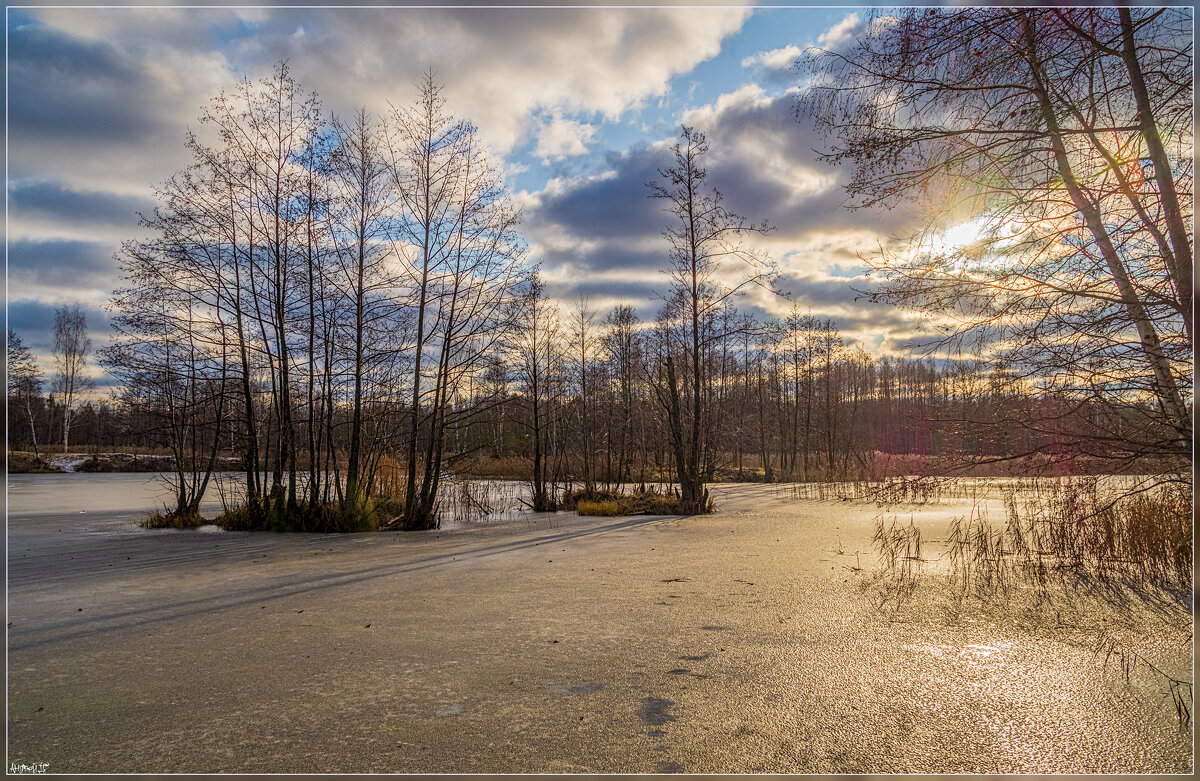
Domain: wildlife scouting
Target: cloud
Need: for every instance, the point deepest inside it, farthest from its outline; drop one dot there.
(850, 27)
(33, 321)
(560, 138)
(64, 265)
(100, 99)
(775, 59)
(50, 201)
(102, 115)
(53, 77)
(762, 160)
(765, 162)
(612, 207)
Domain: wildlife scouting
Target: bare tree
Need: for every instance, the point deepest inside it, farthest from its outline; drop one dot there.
(71, 348)
(1039, 134)
(622, 344)
(23, 383)
(462, 255)
(361, 217)
(173, 372)
(265, 132)
(703, 234)
(539, 365)
(583, 336)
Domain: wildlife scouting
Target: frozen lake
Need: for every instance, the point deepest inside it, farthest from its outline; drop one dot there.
(750, 640)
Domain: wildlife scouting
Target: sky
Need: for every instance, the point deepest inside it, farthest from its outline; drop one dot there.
(580, 106)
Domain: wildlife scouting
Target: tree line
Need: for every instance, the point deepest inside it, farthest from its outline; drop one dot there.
(347, 306)
(25, 381)
(572, 400)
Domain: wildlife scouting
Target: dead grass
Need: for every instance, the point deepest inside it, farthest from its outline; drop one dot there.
(170, 519)
(1060, 542)
(606, 508)
(647, 502)
(23, 463)
(1065, 529)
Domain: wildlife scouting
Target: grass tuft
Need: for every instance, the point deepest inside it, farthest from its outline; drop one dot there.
(171, 519)
(604, 508)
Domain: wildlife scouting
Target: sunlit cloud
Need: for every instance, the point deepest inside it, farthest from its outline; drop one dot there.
(101, 101)
(560, 137)
(775, 60)
(842, 32)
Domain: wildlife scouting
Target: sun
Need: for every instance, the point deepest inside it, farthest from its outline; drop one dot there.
(959, 237)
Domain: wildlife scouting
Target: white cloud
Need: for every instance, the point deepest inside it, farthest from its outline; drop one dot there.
(845, 30)
(560, 138)
(743, 98)
(101, 98)
(500, 67)
(774, 60)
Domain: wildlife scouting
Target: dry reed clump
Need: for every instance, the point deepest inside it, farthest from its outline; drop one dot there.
(1055, 529)
(605, 508)
(468, 500)
(1075, 533)
(171, 519)
(350, 515)
(899, 549)
(904, 490)
(1077, 527)
(641, 502)
(501, 468)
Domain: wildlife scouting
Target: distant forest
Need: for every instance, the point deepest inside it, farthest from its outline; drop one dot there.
(791, 401)
(347, 307)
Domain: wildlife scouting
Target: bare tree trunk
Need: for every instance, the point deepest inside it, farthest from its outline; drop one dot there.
(1168, 391)
(1181, 261)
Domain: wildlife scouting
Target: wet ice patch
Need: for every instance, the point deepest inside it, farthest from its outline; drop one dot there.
(449, 711)
(656, 711)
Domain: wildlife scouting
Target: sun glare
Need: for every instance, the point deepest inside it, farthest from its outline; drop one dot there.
(960, 236)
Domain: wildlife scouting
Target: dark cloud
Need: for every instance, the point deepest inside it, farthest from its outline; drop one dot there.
(63, 264)
(783, 192)
(596, 288)
(610, 257)
(808, 291)
(64, 88)
(50, 200)
(608, 224)
(33, 321)
(616, 207)
(801, 196)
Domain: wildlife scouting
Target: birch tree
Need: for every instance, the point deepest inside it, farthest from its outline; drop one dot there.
(71, 348)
